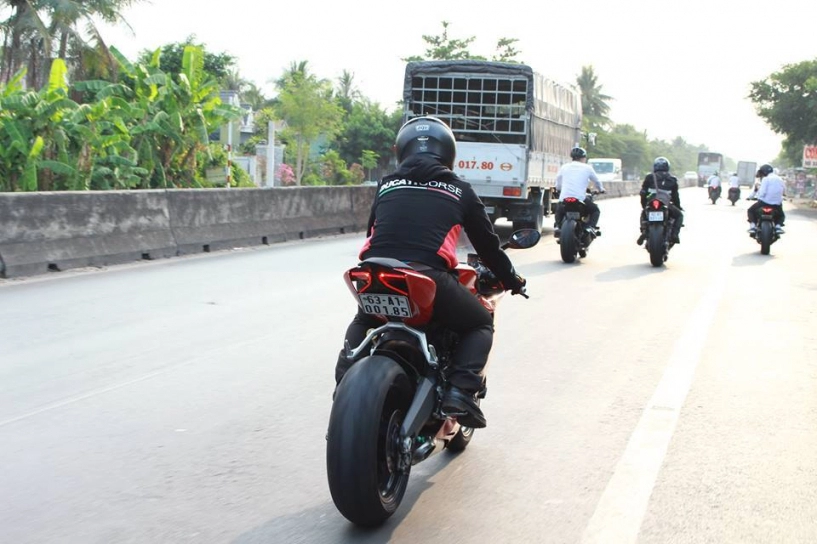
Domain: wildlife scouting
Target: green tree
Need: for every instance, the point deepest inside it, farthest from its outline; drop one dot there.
(367, 127)
(253, 95)
(506, 52)
(219, 66)
(34, 27)
(306, 104)
(347, 92)
(444, 47)
(595, 107)
(368, 160)
(787, 100)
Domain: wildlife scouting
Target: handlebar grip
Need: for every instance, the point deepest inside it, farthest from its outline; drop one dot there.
(522, 291)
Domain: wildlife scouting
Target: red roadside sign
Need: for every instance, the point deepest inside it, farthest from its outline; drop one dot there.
(810, 156)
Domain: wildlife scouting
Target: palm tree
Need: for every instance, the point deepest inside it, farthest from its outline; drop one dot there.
(347, 92)
(32, 28)
(594, 102)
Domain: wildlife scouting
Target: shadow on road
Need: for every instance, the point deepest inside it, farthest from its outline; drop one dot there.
(630, 272)
(325, 524)
(751, 259)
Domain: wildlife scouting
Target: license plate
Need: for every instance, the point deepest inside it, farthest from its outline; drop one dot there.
(388, 305)
(573, 215)
(655, 216)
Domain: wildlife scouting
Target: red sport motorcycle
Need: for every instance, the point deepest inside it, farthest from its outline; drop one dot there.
(387, 415)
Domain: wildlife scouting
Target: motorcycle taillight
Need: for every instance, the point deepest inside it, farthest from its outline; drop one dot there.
(394, 281)
(362, 279)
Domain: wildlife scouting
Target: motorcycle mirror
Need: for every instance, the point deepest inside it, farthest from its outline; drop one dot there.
(523, 239)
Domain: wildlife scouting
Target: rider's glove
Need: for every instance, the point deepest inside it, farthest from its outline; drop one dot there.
(518, 287)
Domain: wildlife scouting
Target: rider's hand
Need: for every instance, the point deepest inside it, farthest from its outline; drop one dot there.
(519, 286)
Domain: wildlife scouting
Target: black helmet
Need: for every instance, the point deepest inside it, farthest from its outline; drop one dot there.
(578, 153)
(764, 170)
(661, 164)
(426, 135)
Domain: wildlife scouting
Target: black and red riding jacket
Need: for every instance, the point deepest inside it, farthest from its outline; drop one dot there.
(418, 214)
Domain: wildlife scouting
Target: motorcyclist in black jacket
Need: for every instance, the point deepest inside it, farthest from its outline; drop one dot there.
(660, 181)
(417, 216)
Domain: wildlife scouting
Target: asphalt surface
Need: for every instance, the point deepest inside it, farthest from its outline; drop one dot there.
(187, 400)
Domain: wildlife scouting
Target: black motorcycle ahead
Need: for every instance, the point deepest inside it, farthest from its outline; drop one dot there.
(387, 413)
(734, 194)
(656, 228)
(574, 239)
(766, 233)
(714, 193)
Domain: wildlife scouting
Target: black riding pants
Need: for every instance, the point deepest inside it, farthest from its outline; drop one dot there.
(591, 209)
(454, 308)
(779, 215)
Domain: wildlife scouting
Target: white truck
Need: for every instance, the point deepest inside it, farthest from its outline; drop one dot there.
(606, 169)
(514, 129)
(746, 172)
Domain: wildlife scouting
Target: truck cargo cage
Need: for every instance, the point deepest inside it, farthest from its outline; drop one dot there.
(476, 107)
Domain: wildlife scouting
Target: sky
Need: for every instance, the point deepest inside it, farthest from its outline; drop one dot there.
(672, 69)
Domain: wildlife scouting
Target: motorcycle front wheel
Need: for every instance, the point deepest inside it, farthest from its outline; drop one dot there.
(567, 241)
(363, 467)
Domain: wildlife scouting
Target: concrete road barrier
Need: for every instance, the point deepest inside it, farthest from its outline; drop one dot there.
(42, 232)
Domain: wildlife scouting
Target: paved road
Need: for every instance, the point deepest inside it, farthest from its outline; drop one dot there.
(186, 400)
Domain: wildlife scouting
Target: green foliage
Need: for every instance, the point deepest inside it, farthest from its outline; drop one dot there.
(240, 177)
(333, 169)
(367, 127)
(306, 104)
(216, 65)
(144, 131)
(356, 172)
(506, 52)
(595, 107)
(443, 47)
(37, 31)
(787, 100)
(368, 160)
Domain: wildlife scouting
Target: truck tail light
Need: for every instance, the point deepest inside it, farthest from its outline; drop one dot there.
(512, 191)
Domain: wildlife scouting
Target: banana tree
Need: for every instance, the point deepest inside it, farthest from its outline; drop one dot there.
(30, 128)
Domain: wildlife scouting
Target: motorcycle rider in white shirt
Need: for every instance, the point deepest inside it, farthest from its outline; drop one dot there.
(573, 180)
(734, 181)
(714, 183)
(771, 193)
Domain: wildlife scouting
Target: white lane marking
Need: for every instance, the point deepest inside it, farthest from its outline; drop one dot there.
(620, 511)
(90, 394)
(214, 353)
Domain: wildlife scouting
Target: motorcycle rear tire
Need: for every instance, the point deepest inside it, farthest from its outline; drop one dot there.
(362, 443)
(655, 245)
(766, 233)
(567, 241)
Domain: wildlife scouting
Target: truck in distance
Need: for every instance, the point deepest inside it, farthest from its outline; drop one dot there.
(514, 129)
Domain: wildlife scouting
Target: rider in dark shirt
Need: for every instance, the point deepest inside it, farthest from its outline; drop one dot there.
(666, 186)
(417, 217)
